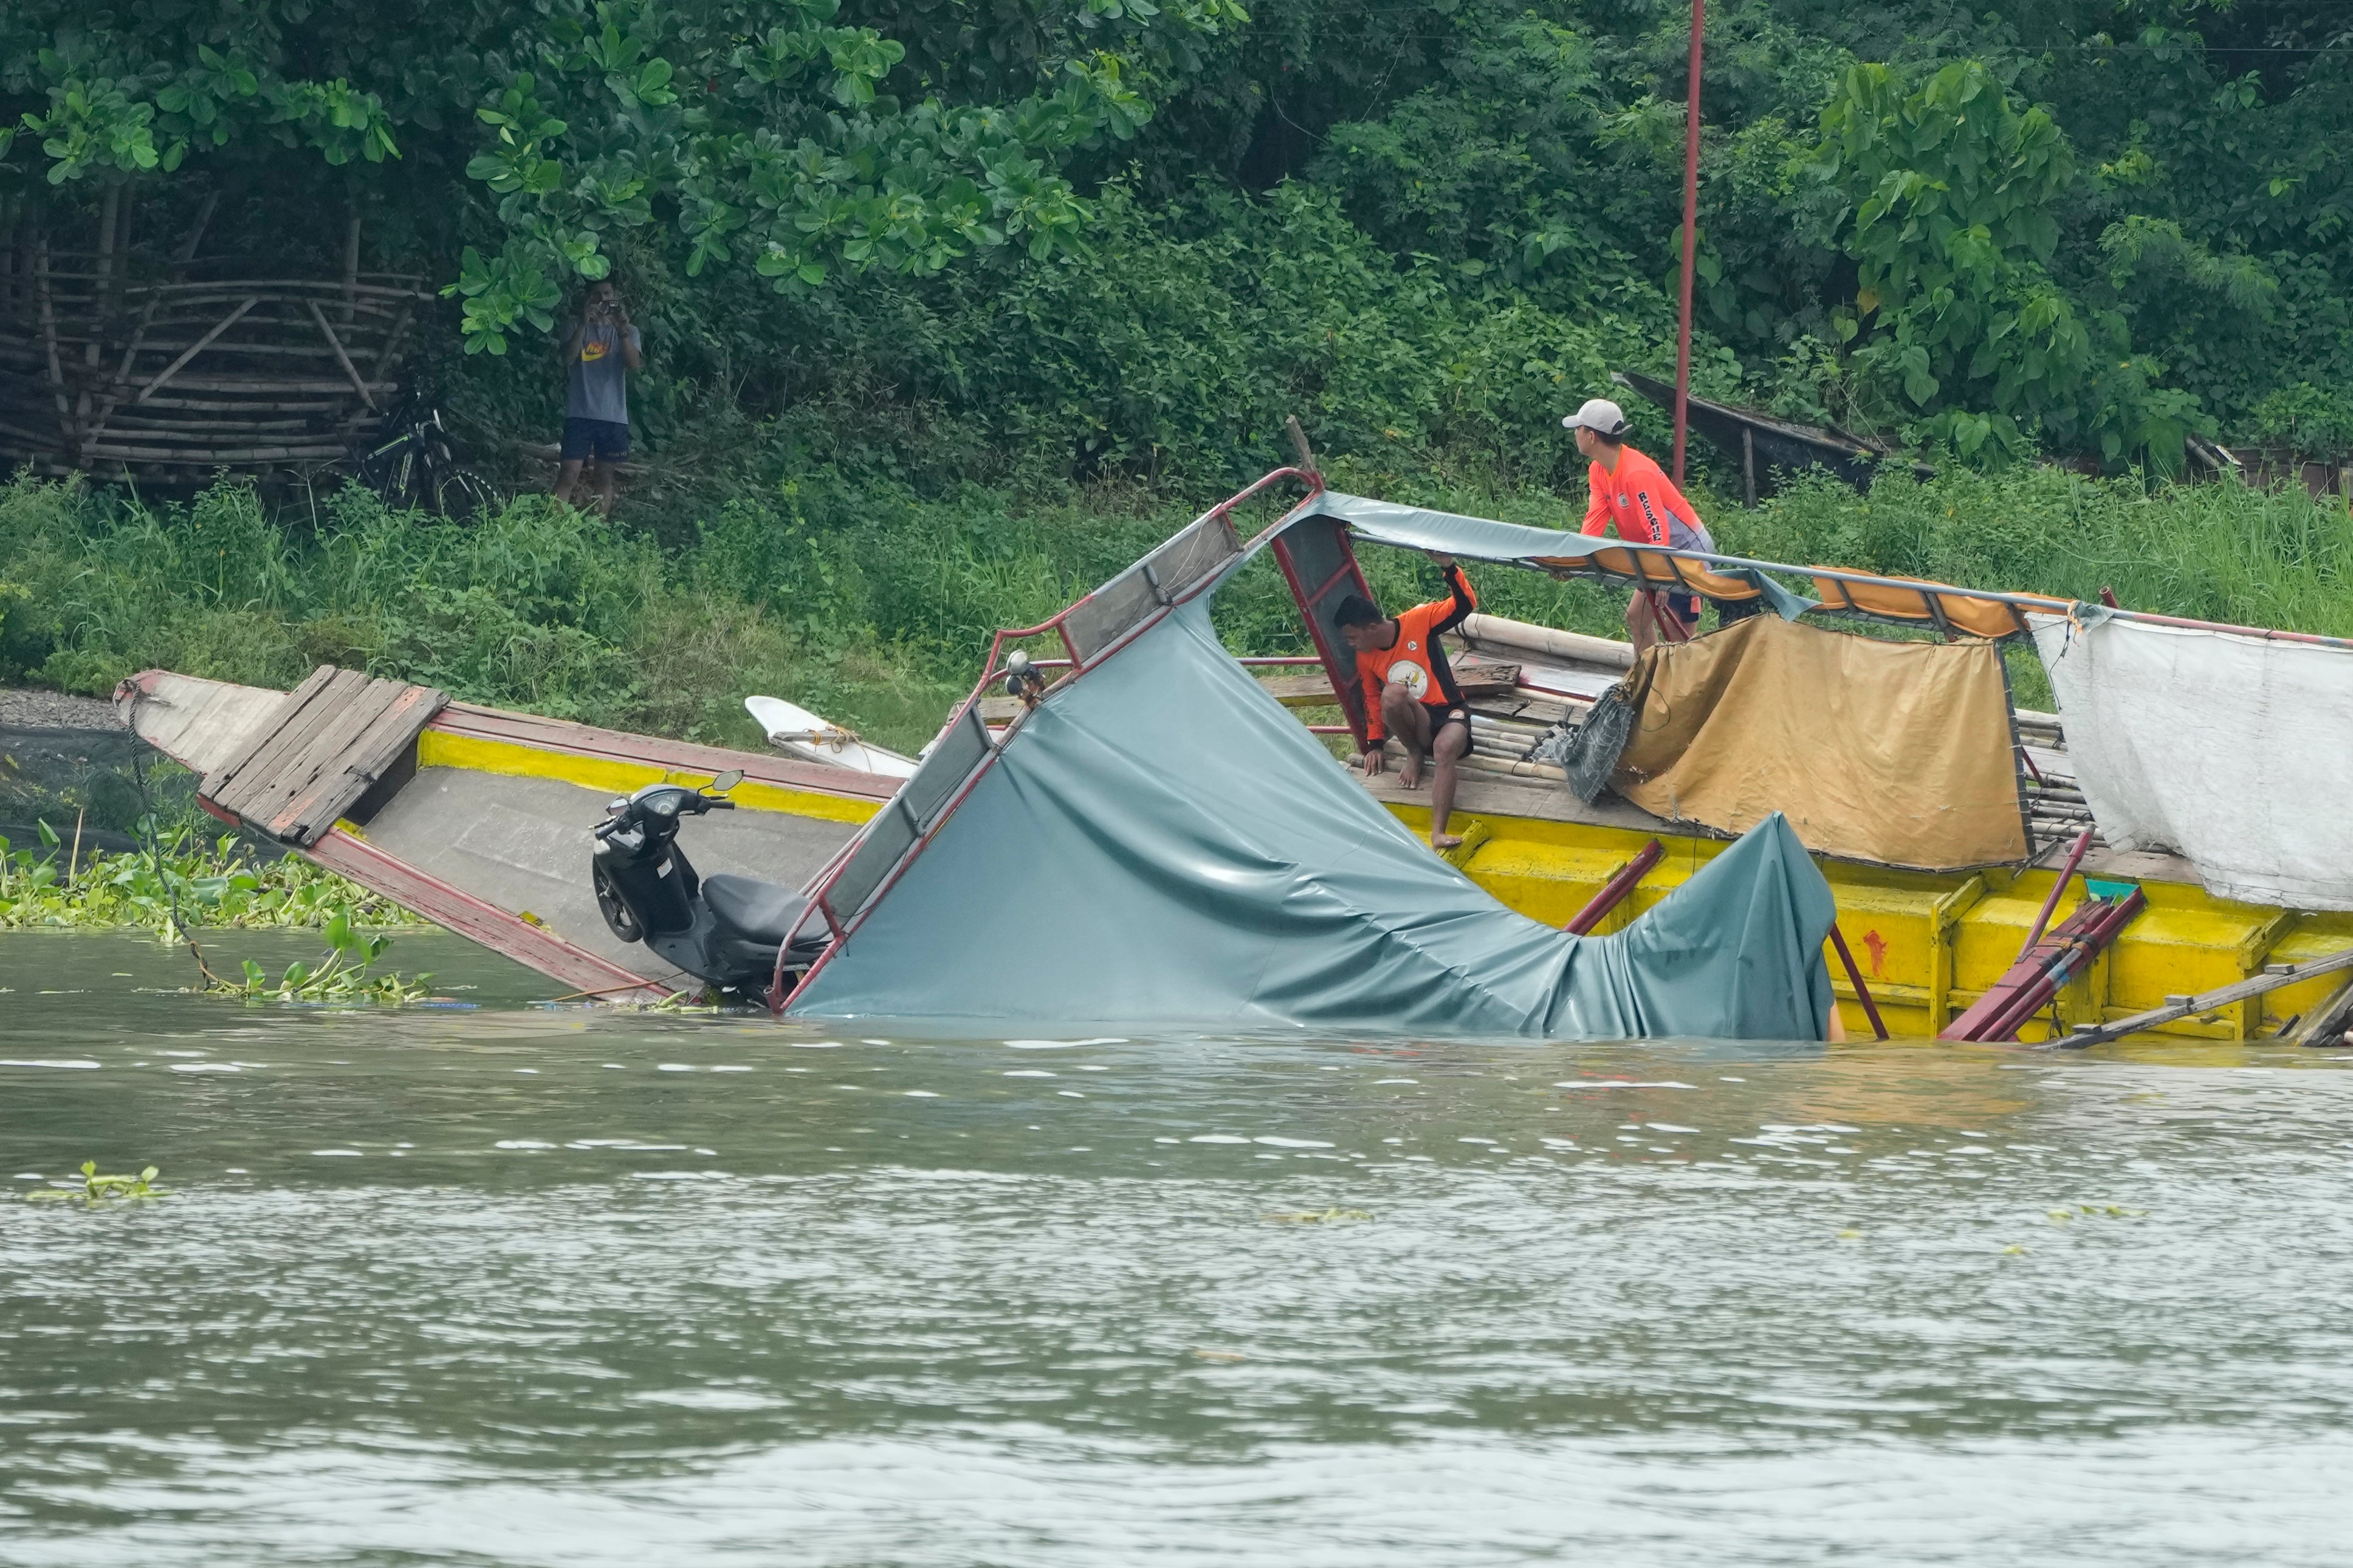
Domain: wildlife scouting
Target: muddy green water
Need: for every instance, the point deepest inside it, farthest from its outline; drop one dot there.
(522, 1286)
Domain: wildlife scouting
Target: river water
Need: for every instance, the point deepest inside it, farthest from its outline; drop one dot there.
(521, 1285)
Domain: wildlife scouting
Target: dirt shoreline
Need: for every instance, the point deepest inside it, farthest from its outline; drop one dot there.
(28, 708)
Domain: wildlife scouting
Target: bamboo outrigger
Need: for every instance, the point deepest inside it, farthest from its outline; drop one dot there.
(478, 819)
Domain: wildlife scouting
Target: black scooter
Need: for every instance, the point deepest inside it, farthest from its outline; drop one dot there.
(723, 930)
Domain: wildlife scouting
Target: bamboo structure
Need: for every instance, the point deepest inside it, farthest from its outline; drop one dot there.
(112, 374)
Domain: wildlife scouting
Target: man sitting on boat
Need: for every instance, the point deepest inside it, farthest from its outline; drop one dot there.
(1634, 493)
(1410, 691)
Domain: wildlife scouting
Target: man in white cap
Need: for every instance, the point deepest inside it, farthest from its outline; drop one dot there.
(1633, 492)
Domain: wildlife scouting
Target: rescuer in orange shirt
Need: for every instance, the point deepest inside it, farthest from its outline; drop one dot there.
(1634, 493)
(1410, 690)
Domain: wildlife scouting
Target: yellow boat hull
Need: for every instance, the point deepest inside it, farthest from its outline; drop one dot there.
(1929, 946)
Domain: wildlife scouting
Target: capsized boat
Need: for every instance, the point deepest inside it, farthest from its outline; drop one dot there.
(477, 819)
(1151, 840)
(1936, 811)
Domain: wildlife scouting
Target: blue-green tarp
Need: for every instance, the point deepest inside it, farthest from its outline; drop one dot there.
(1160, 843)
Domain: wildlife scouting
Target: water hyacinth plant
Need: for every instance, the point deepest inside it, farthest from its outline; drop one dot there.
(180, 877)
(344, 975)
(97, 1189)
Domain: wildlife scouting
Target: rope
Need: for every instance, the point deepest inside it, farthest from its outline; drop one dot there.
(171, 885)
(833, 736)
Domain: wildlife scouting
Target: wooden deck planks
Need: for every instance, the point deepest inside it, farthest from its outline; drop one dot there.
(330, 738)
(468, 916)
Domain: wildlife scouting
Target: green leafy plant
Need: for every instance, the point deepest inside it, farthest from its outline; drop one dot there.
(97, 1189)
(210, 881)
(345, 974)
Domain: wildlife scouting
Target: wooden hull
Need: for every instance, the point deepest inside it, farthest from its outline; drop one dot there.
(484, 828)
(482, 824)
(1928, 943)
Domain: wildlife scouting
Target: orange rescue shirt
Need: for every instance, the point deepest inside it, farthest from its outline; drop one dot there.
(1644, 504)
(1416, 658)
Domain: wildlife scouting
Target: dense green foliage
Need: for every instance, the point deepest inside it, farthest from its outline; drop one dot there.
(1031, 243)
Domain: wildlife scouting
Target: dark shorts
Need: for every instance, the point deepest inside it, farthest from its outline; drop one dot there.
(1440, 716)
(1684, 606)
(606, 441)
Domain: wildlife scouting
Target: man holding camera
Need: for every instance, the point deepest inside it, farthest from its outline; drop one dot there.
(599, 351)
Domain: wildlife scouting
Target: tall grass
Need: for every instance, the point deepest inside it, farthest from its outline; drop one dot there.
(873, 608)
(2217, 552)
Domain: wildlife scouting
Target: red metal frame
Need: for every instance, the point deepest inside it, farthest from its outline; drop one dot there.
(1613, 891)
(1854, 978)
(1359, 723)
(2031, 982)
(992, 671)
(2043, 921)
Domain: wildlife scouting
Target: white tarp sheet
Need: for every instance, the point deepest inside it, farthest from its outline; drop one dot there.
(2234, 751)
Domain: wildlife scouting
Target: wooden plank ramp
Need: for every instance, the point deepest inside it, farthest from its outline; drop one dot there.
(330, 738)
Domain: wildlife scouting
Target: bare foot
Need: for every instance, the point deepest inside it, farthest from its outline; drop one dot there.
(1410, 771)
(1446, 841)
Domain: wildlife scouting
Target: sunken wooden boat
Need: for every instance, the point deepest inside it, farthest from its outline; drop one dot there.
(475, 818)
(480, 819)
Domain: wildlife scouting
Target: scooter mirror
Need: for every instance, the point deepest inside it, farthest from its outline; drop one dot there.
(726, 780)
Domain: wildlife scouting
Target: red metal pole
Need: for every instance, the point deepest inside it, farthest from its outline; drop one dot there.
(1690, 239)
(1613, 891)
(2043, 921)
(1854, 978)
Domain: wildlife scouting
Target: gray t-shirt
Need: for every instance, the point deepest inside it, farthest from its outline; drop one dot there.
(600, 374)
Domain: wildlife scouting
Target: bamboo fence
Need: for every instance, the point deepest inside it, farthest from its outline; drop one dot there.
(116, 364)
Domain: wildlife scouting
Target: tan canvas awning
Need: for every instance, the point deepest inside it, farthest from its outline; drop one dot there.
(1897, 753)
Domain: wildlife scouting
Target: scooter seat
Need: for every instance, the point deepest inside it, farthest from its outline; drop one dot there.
(755, 911)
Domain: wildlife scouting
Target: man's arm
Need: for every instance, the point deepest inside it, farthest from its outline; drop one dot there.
(631, 340)
(1597, 514)
(1372, 686)
(1465, 601)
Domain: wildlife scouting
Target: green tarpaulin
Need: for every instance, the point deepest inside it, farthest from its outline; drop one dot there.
(1161, 843)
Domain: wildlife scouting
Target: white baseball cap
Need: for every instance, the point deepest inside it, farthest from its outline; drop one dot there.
(1599, 415)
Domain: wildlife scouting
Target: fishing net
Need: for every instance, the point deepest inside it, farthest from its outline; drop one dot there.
(69, 777)
(1589, 753)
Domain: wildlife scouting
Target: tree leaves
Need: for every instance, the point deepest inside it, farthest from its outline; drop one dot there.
(1952, 184)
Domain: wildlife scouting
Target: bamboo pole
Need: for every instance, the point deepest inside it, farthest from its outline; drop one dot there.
(342, 358)
(105, 290)
(350, 267)
(199, 346)
(49, 338)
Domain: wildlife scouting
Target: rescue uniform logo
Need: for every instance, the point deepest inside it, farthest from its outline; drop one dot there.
(1409, 674)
